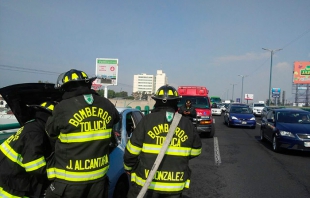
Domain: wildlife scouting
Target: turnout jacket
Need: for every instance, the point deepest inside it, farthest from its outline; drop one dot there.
(23, 160)
(81, 124)
(173, 174)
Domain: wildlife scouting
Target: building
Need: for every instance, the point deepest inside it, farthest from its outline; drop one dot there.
(144, 83)
(161, 79)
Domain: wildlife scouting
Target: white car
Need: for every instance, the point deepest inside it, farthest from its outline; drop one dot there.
(257, 108)
(216, 110)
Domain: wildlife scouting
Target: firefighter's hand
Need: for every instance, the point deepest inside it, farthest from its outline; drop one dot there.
(128, 173)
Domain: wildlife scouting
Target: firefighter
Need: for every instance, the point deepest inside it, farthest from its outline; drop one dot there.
(23, 157)
(188, 110)
(81, 125)
(173, 174)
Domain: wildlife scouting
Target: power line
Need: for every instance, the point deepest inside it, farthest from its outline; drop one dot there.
(38, 71)
(23, 69)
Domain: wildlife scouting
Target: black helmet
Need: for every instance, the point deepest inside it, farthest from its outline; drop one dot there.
(47, 106)
(166, 92)
(73, 75)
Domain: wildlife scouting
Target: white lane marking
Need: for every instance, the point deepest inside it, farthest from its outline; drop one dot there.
(217, 156)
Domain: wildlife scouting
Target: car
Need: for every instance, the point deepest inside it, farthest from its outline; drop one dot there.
(19, 96)
(257, 108)
(239, 115)
(266, 109)
(286, 128)
(216, 109)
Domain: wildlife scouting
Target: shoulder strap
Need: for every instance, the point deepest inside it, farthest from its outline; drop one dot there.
(174, 124)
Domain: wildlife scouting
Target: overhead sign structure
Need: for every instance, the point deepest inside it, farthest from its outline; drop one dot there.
(301, 72)
(106, 71)
(248, 96)
(276, 92)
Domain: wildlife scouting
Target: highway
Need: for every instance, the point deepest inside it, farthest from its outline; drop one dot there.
(236, 164)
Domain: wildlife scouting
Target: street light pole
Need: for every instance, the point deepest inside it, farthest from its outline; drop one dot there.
(242, 76)
(271, 53)
(232, 95)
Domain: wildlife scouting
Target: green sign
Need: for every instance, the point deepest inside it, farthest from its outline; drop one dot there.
(107, 61)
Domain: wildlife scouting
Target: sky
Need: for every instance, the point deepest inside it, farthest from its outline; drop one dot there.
(198, 42)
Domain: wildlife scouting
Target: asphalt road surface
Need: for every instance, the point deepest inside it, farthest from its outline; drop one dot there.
(236, 164)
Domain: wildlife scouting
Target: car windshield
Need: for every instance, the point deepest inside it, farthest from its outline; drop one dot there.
(240, 109)
(293, 117)
(259, 105)
(197, 101)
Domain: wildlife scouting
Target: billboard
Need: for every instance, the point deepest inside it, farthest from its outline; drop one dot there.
(106, 71)
(248, 96)
(276, 92)
(301, 72)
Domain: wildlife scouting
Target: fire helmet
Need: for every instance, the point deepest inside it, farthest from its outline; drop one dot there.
(71, 76)
(166, 92)
(47, 106)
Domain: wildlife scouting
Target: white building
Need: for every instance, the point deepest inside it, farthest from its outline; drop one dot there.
(149, 83)
(161, 79)
(143, 83)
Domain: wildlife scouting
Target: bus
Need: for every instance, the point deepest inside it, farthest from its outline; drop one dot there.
(215, 99)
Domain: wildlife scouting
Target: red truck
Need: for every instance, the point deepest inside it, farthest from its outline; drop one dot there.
(201, 101)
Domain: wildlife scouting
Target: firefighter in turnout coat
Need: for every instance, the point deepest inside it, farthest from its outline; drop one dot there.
(23, 157)
(173, 174)
(82, 125)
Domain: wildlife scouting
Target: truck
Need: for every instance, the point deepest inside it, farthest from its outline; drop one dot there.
(198, 95)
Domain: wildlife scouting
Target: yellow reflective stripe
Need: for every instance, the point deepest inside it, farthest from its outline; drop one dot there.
(76, 176)
(161, 186)
(172, 150)
(4, 194)
(195, 152)
(127, 167)
(8, 151)
(85, 136)
(35, 164)
(133, 149)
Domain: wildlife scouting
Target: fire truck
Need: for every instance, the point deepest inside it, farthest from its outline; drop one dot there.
(198, 95)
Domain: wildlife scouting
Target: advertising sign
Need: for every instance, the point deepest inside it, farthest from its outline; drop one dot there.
(301, 72)
(248, 96)
(276, 92)
(106, 71)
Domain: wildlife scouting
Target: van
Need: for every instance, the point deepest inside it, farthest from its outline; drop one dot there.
(198, 95)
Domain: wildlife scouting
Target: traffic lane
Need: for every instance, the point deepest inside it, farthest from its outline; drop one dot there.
(248, 168)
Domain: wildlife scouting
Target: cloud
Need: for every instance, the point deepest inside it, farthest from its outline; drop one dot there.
(284, 66)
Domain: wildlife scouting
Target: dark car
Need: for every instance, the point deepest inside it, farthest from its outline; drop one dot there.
(239, 115)
(286, 128)
(267, 108)
(20, 96)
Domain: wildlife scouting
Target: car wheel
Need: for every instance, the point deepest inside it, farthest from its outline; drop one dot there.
(228, 124)
(275, 144)
(262, 138)
(121, 188)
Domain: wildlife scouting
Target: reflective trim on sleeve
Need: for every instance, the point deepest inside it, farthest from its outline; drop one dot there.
(9, 152)
(4, 194)
(195, 152)
(135, 150)
(172, 150)
(35, 164)
(161, 186)
(53, 173)
(85, 136)
(127, 167)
